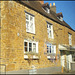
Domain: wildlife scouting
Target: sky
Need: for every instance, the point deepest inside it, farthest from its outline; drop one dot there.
(68, 10)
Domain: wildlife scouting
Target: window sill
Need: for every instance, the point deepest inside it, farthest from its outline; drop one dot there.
(51, 56)
(30, 32)
(32, 57)
(50, 38)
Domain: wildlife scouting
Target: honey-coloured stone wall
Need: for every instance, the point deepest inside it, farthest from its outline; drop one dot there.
(13, 21)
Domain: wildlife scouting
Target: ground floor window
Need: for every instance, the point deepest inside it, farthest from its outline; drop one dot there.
(51, 48)
(30, 46)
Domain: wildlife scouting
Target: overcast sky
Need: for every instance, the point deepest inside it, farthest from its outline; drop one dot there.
(68, 10)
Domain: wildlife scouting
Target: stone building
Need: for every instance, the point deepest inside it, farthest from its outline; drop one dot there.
(33, 35)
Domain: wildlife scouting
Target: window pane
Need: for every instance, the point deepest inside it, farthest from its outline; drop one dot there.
(31, 18)
(50, 26)
(25, 46)
(48, 30)
(27, 25)
(47, 25)
(50, 34)
(47, 47)
(50, 49)
(25, 43)
(31, 27)
(70, 39)
(25, 49)
(34, 47)
(27, 17)
(30, 49)
(30, 44)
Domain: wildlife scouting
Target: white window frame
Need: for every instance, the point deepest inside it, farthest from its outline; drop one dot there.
(60, 18)
(32, 46)
(70, 39)
(31, 30)
(50, 29)
(53, 49)
(47, 10)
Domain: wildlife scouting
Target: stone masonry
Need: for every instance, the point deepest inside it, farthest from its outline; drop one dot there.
(13, 21)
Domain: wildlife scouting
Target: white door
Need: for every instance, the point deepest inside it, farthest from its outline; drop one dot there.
(63, 61)
(69, 60)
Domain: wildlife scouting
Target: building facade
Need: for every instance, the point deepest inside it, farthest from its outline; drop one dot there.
(34, 35)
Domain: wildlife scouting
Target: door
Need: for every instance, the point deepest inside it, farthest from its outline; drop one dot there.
(68, 61)
(63, 61)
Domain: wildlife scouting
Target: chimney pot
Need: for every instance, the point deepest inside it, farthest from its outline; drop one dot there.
(50, 4)
(53, 4)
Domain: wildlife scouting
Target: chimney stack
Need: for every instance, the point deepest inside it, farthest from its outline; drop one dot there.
(53, 8)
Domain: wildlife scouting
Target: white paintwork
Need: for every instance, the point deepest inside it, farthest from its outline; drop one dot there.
(48, 57)
(50, 29)
(28, 28)
(62, 47)
(62, 61)
(54, 46)
(32, 45)
(70, 39)
(35, 57)
(69, 60)
(26, 56)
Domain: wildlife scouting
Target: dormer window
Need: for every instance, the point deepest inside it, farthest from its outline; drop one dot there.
(47, 10)
(46, 7)
(60, 16)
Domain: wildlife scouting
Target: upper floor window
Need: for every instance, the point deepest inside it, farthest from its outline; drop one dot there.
(30, 46)
(51, 48)
(30, 25)
(50, 30)
(70, 39)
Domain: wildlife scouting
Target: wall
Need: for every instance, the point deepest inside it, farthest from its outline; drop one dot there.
(12, 47)
(0, 26)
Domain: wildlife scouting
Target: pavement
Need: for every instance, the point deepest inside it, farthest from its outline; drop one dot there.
(38, 72)
(72, 72)
(50, 73)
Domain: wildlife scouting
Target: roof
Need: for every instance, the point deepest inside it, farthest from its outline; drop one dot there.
(46, 5)
(59, 14)
(37, 6)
